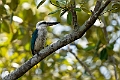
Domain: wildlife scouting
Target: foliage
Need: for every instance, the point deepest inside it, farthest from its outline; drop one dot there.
(96, 49)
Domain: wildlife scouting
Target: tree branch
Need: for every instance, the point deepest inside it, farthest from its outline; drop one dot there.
(74, 15)
(112, 59)
(55, 46)
(87, 69)
(98, 5)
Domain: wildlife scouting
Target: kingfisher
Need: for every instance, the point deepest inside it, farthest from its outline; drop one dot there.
(39, 36)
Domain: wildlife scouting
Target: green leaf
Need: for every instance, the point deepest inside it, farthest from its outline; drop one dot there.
(62, 2)
(15, 35)
(14, 4)
(28, 15)
(97, 45)
(43, 66)
(63, 53)
(109, 48)
(2, 10)
(79, 46)
(89, 48)
(78, 9)
(104, 54)
(100, 35)
(27, 46)
(69, 18)
(25, 39)
(54, 11)
(4, 1)
(116, 7)
(57, 3)
(86, 10)
(5, 26)
(40, 3)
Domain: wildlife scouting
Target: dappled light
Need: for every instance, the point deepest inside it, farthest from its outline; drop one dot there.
(95, 55)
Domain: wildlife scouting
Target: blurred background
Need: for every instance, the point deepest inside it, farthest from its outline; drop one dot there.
(98, 49)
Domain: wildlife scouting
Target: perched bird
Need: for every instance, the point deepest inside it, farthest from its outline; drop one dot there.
(39, 36)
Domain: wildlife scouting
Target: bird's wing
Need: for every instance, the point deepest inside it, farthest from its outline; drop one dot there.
(34, 36)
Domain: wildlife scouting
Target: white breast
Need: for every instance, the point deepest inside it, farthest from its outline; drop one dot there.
(41, 39)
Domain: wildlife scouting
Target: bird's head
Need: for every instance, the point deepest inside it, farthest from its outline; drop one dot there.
(41, 24)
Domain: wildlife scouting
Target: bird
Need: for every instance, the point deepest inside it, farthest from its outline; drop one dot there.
(39, 36)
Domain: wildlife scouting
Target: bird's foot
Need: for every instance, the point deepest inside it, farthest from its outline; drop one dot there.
(36, 52)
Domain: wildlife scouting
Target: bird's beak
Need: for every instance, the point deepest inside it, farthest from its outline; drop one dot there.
(52, 23)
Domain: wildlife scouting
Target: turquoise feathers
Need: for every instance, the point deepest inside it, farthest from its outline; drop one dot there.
(39, 36)
(34, 36)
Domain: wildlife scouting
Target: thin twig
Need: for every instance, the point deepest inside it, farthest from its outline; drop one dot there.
(74, 15)
(113, 61)
(98, 5)
(86, 68)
